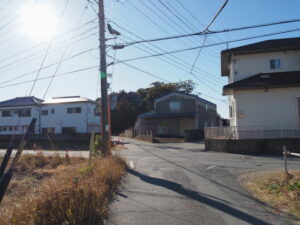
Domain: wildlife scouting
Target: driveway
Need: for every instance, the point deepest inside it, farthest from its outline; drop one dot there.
(178, 184)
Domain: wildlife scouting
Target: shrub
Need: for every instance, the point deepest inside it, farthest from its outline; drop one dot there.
(60, 200)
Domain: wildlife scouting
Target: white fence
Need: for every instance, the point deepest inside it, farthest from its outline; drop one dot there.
(249, 132)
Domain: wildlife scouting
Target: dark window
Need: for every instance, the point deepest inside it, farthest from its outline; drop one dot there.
(52, 111)
(275, 64)
(10, 128)
(6, 113)
(48, 130)
(69, 130)
(96, 112)
(0, 129)
(4, 128)
(74, 110)
(15, 128)
(45, 112)
(24, 112)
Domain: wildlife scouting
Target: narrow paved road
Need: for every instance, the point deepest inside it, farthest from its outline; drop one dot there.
(179, 184)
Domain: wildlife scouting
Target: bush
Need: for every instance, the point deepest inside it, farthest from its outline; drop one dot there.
(61, 200)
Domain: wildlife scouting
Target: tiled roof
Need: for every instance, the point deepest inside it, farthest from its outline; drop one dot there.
(266, 80)
(21, 101)
(283, 44)
(268, 45)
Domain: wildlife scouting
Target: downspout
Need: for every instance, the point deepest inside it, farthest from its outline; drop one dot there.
(86, 113)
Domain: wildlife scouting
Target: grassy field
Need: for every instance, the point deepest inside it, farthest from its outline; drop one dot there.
(272, 188)
(66, 191)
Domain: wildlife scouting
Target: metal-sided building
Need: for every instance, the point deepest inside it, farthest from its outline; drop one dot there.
(176, 113)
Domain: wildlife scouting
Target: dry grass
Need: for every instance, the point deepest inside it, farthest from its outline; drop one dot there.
(271, 188)
(69, 193)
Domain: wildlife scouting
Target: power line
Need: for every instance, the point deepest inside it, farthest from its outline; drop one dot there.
(173, 21)
(206, 29)
(49, 46)
(174, 58)
(48, 77)
(30, 58)
(193, 16)
(212, 32)
(209, 45)
(64, 53)
(55, 37)
(177, 63)
(154, 75)
(48, 66)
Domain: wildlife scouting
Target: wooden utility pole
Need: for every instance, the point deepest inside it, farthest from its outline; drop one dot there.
(103, 75)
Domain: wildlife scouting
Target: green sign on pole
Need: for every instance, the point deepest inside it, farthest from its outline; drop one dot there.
(103, 75)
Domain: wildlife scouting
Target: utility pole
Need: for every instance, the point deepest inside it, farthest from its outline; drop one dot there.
(103, 75)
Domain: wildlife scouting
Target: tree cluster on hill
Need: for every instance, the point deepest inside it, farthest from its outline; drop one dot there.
(131, 104)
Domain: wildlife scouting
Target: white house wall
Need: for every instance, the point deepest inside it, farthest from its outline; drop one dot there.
(271, 108)
(243, 66)
(61, 118)
(15, 120)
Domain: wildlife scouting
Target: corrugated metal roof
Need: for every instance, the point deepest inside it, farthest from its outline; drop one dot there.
(67, 99)
(21, 101)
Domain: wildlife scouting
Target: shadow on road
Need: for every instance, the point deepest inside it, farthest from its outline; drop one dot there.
(178, 188)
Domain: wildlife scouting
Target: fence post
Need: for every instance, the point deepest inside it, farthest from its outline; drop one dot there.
(92, 141)
(286, 172)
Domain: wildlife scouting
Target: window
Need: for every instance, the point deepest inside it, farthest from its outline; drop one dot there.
(10, 128)
(174, 106)
(15, 128)
(6, 113)
(68, 130)
(96, 112)
(24, 112)
(45, 112)
(275, 64)
(74, 110)
(48, 130)
(52, 111)
(206, 107)
(4, 128)
(0, 129)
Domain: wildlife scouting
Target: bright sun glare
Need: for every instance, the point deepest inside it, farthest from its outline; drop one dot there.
(38, 20)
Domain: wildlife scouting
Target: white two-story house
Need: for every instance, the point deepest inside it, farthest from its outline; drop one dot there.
(264, 83)
(61, 115)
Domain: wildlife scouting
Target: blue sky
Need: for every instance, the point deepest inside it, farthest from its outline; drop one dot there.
(137, 19)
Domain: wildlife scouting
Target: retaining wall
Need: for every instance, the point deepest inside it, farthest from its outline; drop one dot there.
(253, 146)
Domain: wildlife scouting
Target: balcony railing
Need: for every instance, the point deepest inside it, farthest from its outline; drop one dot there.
(250, 132)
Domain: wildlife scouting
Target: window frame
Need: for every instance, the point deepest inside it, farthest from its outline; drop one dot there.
(275, 64)
(45, 112)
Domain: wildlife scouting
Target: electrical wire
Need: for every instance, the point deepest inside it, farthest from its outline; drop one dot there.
(209, 45)
(212, 32)
(206, 29)
(48, 48)
(48, 66)
(174, 57)
(49, 77)
(63, 55)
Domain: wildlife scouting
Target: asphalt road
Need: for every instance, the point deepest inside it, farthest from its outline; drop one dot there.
(179, 184)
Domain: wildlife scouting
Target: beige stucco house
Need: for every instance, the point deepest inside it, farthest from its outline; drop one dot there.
(264, 84)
